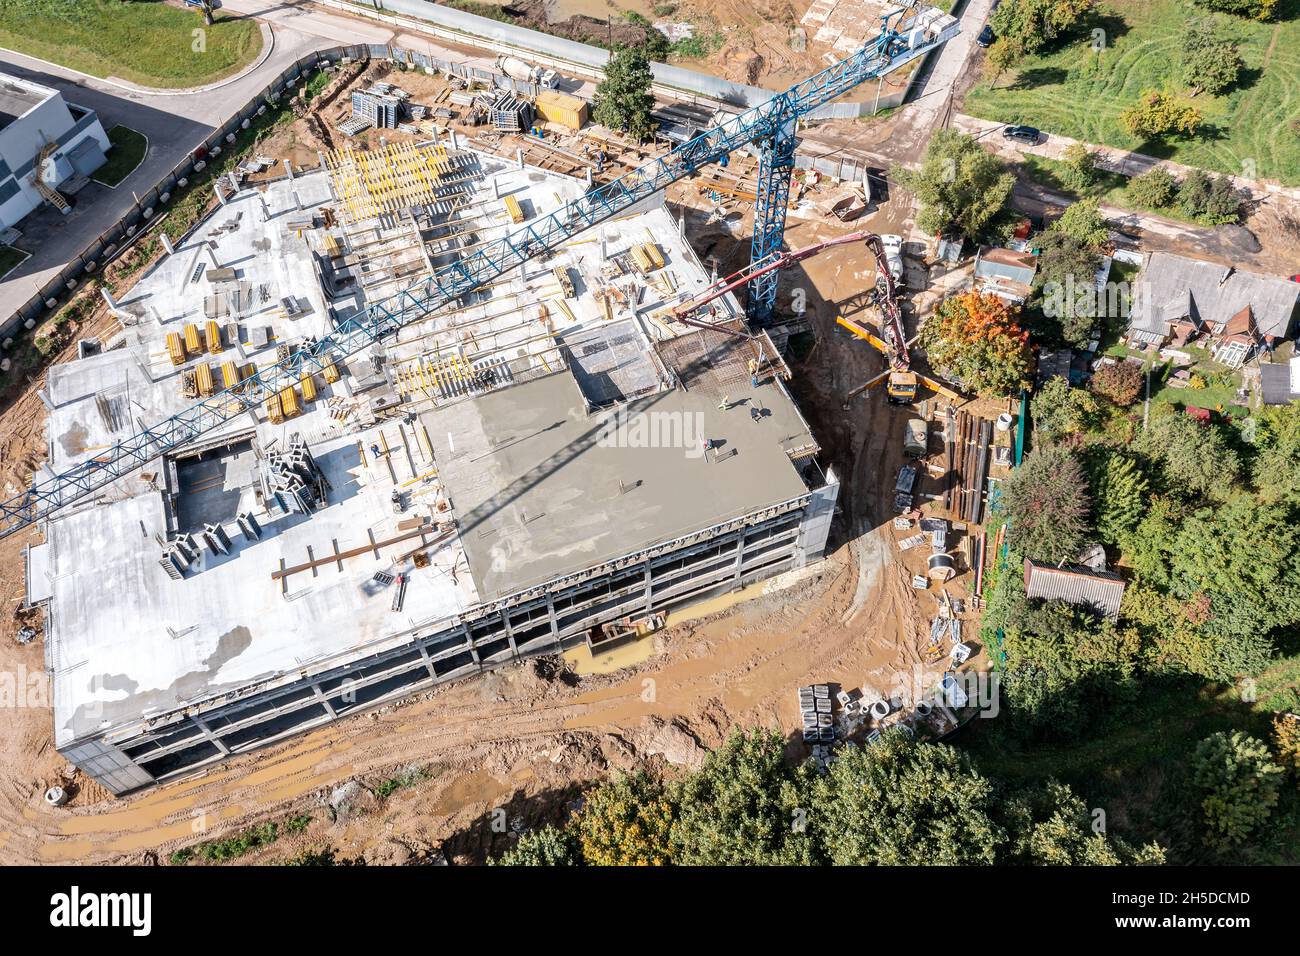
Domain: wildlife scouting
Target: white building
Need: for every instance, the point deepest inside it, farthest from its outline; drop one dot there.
(44, 142)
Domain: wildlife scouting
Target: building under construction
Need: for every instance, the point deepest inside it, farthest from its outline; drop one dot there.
(552, 461)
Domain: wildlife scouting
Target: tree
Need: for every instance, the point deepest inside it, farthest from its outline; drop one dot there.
(1286, 743)
(1254, 9)
(1059, 410)
(976, 338)
(1119, 383)
(1051, 826)
(1211, 61)
(1005, 53)
(1046, 500)
(1239, 783)
(1194, 460)
(1037, 23)
(1064, 668)
(1066, 282)
(545, 847)
(1120, 496)
(1275, 465)
(1239, 559)
(744, 806)
(1212, 200)
(1154, 189)
(1157, 114)
(1083, 222)
(626, 822)
(623, 99)
(903, 803)
(1080, 168)
(961, 187)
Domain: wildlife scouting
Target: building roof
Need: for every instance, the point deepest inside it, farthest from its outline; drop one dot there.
(17, 97)
(1172, 287)
(1100, 590)
(1005, 271)
(1279, 383)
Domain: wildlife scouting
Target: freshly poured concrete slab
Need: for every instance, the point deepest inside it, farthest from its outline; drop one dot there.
(541, 490)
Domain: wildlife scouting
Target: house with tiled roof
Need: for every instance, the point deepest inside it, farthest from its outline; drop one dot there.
(1234, 314)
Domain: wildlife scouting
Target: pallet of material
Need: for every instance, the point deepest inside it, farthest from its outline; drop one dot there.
(176, 348)
(331, 372)
(212, 335)
(193, 346)
(513, 210)
(308, 384)
(230, 376)
(203, 379)
(289, 406)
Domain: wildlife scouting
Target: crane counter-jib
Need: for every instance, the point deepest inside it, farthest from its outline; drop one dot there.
(907, 33)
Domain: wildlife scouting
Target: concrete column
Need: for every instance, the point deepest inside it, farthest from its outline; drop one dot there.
(454, 143)
(428, 664)
(234, 181)
(519, 157)
(550, 614)
(297, 200)
(40, 393)
(212, 738)
(288, 169)
(315, 687)
(649, 581)
(108, 297)
(589, 180)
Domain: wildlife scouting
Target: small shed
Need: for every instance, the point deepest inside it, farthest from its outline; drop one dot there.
(1075, 584)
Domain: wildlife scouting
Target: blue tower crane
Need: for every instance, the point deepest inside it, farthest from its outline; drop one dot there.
(906, 33)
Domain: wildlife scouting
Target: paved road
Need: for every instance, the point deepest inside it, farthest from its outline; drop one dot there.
(174, 121)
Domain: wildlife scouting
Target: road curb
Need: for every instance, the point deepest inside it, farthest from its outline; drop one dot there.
(268, 47)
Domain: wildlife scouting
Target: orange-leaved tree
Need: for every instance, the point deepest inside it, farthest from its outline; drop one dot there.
(976, 338)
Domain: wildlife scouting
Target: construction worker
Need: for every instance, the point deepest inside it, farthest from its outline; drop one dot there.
(725, 403)
(374, 450)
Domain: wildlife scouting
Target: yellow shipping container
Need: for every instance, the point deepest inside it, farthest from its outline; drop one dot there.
(568, 111)
(176, 348)
(192, 344)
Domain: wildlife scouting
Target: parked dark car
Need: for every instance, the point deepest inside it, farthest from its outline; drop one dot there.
(986, 37)
(1023, 134)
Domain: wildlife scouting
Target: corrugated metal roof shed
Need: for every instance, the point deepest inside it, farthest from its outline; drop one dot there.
(1074, 584)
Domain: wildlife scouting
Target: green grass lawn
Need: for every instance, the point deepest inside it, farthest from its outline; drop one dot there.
(1075, 92)
(149, 43)
(127, 153)
(10, 258)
